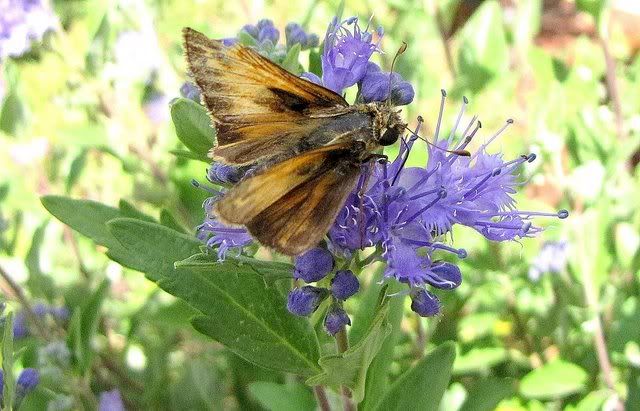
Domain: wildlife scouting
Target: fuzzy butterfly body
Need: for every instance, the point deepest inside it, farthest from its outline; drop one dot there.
(305, 142)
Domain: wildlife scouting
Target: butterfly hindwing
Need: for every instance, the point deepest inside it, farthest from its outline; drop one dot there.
(259, 109)
(291, 205)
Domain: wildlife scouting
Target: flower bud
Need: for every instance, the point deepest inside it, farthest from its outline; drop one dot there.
(313, 265)
(425, 304)
(344, 284)
(111, 401)
(304, 301)
(335, 320)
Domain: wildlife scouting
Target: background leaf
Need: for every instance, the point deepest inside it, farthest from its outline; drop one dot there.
(422, 386)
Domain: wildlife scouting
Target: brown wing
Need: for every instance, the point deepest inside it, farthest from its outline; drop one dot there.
(259, 109)
(290, 206)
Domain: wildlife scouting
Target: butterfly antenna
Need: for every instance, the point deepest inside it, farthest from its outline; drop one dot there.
(401, 50)
(462, 153)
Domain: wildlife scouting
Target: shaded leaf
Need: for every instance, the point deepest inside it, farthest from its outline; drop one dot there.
(283, 397)
(350, 367)
(193, 126)
(423, 385)
(487, 394)
(255, 324)
(557, 379)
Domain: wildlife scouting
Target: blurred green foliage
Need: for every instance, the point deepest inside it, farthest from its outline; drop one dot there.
(77, 117)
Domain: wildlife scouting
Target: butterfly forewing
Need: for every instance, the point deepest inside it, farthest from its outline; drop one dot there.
(291, 205)
(259, 109)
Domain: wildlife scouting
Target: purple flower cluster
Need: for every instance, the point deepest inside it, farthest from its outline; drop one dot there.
(21, 23)
(20, 322)
(552, 258)
(313, 266)
(405, 213)
(111, 401)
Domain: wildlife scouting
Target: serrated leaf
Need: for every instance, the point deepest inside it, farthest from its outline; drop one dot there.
(190, 155)
(283, 397)
(557, 379)
(487, 394)
(290, 62)
(193, 126)
(350, 367)
(168, 220)
(270, 271)
(255, 324)
(85, 216)
(423, 385)
(129, 210)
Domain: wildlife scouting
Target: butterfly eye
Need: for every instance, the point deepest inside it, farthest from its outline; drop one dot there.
(389, 137)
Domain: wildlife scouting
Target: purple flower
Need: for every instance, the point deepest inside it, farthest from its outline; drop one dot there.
(552, 258)
(156, 108)
(295, 34)
(27, 382)
(344, 284)
(424, 303)
(304, 301)
(220, 236)
(20, 328)
(21, 23)
(263, 31)
(313, 265)
(111, 401)
(346, 54)
(1, 384)
(335, 320)
(190, 91)
(406, 211)
(224, 174)
(380, 86)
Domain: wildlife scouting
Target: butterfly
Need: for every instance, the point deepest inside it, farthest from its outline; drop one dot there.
(306, 144)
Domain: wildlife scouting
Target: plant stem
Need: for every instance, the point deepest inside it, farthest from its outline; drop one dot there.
(17, 291)
(591, 296)
(321, 397)
(343, 345)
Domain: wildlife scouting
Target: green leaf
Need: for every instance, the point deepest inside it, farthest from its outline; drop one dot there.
(4, 191)
(89, 323)
(129, 210)
(189, 155)
(255, 324)
(283, 397)
(168, 220)
(290, 62)
(270, 271)
(483, 50)
(12, 113)
(378, 372)
(39, 284)
(85, 216)
(557, 379)
(350, 367)
(7, 362)
(487, 394)
(76, 169)
(193, 126)
(423, 385)
(479, 360)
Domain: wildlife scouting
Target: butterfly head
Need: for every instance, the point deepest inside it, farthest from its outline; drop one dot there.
(391, 126)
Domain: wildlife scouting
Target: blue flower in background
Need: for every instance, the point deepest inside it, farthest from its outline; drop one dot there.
(295, 34)
(346, 54)
(23, 22)
(111, 401)
(552, 258)
(263, 31)
(377, 85)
